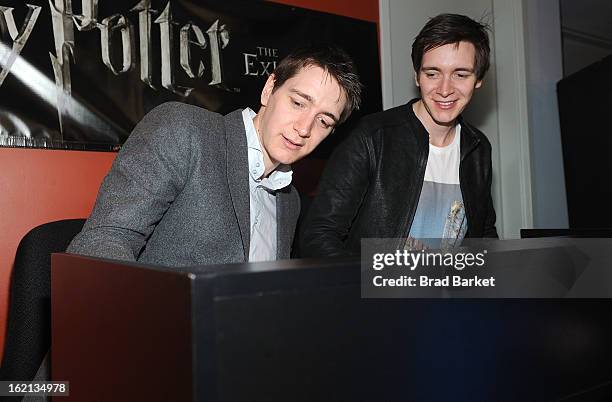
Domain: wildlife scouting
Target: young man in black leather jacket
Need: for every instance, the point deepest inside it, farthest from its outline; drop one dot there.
(417, 171)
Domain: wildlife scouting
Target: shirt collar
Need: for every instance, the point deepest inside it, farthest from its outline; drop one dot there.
(281, 176)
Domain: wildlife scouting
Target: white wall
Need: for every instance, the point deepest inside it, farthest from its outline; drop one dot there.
(499, 108)
(544, 70)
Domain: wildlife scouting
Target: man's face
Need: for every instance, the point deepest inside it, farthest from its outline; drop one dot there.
(297, 116)
(447, 81)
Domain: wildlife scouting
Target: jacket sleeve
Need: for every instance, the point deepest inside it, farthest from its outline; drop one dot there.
(147, 175)
(341, 191)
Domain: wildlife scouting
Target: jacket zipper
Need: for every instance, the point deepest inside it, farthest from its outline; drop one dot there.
(415, 200)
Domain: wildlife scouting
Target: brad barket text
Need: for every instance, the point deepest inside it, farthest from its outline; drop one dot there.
(424, 281)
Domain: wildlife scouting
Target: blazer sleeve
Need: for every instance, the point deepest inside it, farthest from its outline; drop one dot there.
(340, 194)
(147, 175)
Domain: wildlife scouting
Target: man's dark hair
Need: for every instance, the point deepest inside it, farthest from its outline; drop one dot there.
(335, 61)
(447, 29)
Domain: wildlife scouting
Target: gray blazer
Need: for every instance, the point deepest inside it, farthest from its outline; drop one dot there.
(178, 194)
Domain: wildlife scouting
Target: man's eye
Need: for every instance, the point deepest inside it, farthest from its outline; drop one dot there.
(324, 123)
(430, 75)
(463, 75)
(296, 103)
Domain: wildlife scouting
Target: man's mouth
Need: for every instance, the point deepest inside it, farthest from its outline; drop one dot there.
(445, 104)
(293, 145)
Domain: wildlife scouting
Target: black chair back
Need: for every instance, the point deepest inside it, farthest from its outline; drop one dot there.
(28, 337)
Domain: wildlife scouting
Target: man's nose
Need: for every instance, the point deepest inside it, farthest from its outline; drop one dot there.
(303, 125)
(446, 87)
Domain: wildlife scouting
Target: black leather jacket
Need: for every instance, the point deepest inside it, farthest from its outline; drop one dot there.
(372, 183)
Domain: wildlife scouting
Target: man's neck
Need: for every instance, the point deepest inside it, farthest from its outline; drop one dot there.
(439, 135)
(269, 165)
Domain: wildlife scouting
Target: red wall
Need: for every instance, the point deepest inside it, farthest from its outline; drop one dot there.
(38, 186)
(361, 9)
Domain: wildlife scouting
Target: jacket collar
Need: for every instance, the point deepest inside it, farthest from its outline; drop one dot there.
(469, 138)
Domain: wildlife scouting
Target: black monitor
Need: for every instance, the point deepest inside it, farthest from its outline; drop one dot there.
(299, 330)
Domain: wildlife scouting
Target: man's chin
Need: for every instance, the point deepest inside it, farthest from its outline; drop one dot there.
(288, 159)
(445, 122)
(448, 120)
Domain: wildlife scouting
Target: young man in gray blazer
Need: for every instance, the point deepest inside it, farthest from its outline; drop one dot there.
(194, 187)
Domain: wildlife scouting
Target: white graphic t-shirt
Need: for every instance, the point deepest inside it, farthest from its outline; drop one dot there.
(440, 213)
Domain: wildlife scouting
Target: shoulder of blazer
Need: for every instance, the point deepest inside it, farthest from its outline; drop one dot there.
(176, 112)
(234, 121)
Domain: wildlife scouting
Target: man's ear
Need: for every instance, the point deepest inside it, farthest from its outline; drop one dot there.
(478, 84)
(267, 90)
(416, 78)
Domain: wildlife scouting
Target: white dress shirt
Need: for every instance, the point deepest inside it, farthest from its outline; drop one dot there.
(262, 198)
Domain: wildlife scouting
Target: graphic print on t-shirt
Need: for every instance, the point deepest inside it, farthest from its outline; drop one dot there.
(440, 221)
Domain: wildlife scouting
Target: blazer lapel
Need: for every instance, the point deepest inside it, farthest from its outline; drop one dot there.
(282, 237)
(237, 174)
(287, 213)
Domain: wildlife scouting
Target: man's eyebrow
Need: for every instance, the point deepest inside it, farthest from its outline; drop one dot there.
(311, 100)
(432, 68)
(302, 94)
(331, 116)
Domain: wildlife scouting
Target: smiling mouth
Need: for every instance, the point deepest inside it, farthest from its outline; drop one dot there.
(292, 145)
(445, 104)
